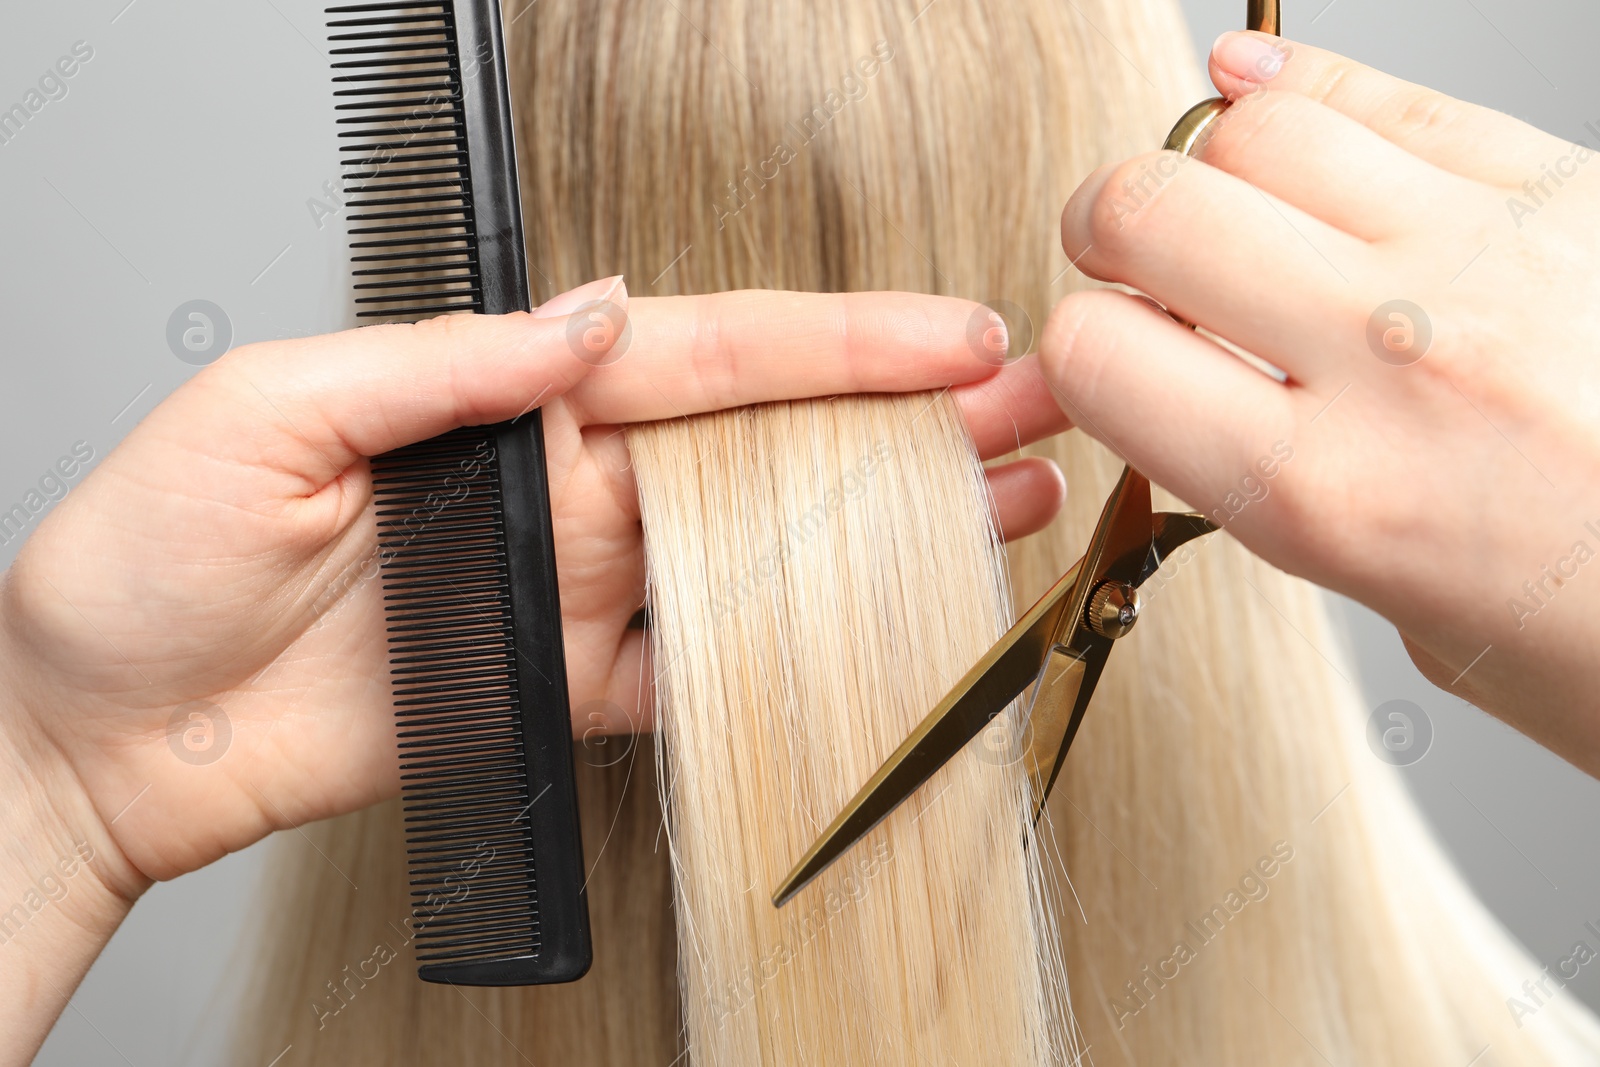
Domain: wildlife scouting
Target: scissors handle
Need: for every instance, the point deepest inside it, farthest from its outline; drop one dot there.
(1264, 16)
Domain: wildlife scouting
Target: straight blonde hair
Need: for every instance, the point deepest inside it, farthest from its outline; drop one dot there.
(1247, 883)
(797, 644)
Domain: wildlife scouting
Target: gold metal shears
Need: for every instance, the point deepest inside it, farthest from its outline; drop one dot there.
(1059, 646)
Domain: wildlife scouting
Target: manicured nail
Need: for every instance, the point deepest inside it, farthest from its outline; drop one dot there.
(988, 336)
(1250, 57)
(604, 290)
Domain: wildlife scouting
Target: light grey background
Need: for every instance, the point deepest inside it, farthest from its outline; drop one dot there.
(185, 162)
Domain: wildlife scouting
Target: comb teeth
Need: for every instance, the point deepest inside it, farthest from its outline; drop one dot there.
(467, 562)
(403, 139)
(453, 659)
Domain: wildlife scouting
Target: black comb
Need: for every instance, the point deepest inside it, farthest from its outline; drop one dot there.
(465, 545)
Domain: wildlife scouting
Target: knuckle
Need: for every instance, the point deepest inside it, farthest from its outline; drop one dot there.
(448, 331)
(448, 336)
(849, 321)
(461, 359)
(23, 591)
(230, 384)
(1294, 509)
(1302, 507)
(245, 361)
(709, 358)
(1335, 82)
(1423, 113)
(1236, 133)
(1466, 353)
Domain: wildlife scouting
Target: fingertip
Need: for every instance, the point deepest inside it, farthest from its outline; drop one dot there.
(1013, 408)
(1058, 478)
(1249, 56)
(907, 342)
(1028, 494)
(612, 290)
(1230, 86)
(1077, 217)
(988, 338)
(977, 339)
(1059, 343)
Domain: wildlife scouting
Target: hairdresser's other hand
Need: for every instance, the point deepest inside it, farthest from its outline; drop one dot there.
(1427, 272)
(193, 640)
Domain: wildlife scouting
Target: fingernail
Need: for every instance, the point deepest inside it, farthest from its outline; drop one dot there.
(988, 336)
(1250, 57)
(605, 289)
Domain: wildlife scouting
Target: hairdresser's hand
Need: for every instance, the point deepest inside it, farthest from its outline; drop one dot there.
(1427, 273)
(191, 645)
(193, 639)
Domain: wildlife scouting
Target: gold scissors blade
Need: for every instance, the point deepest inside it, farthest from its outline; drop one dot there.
(1071, 673)
(1121, 542)
(1129, 545)
(994, 681)
(1059, 701)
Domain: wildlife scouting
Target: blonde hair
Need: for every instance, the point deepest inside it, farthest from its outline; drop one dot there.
(798, 643)
(1247, 883)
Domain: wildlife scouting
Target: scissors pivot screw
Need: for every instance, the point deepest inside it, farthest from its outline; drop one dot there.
(1113, 609)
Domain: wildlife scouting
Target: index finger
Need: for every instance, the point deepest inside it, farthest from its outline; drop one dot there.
(693, 354)
(1472, 141)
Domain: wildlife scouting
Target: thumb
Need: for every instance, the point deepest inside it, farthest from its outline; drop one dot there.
(310, 408)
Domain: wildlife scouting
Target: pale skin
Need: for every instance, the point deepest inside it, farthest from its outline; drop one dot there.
(193, 563)
(1437, 492)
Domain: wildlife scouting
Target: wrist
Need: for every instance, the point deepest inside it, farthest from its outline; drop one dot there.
(64, 885)
(1539, 675)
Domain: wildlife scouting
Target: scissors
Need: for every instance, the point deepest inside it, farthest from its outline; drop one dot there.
(1059, 646)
